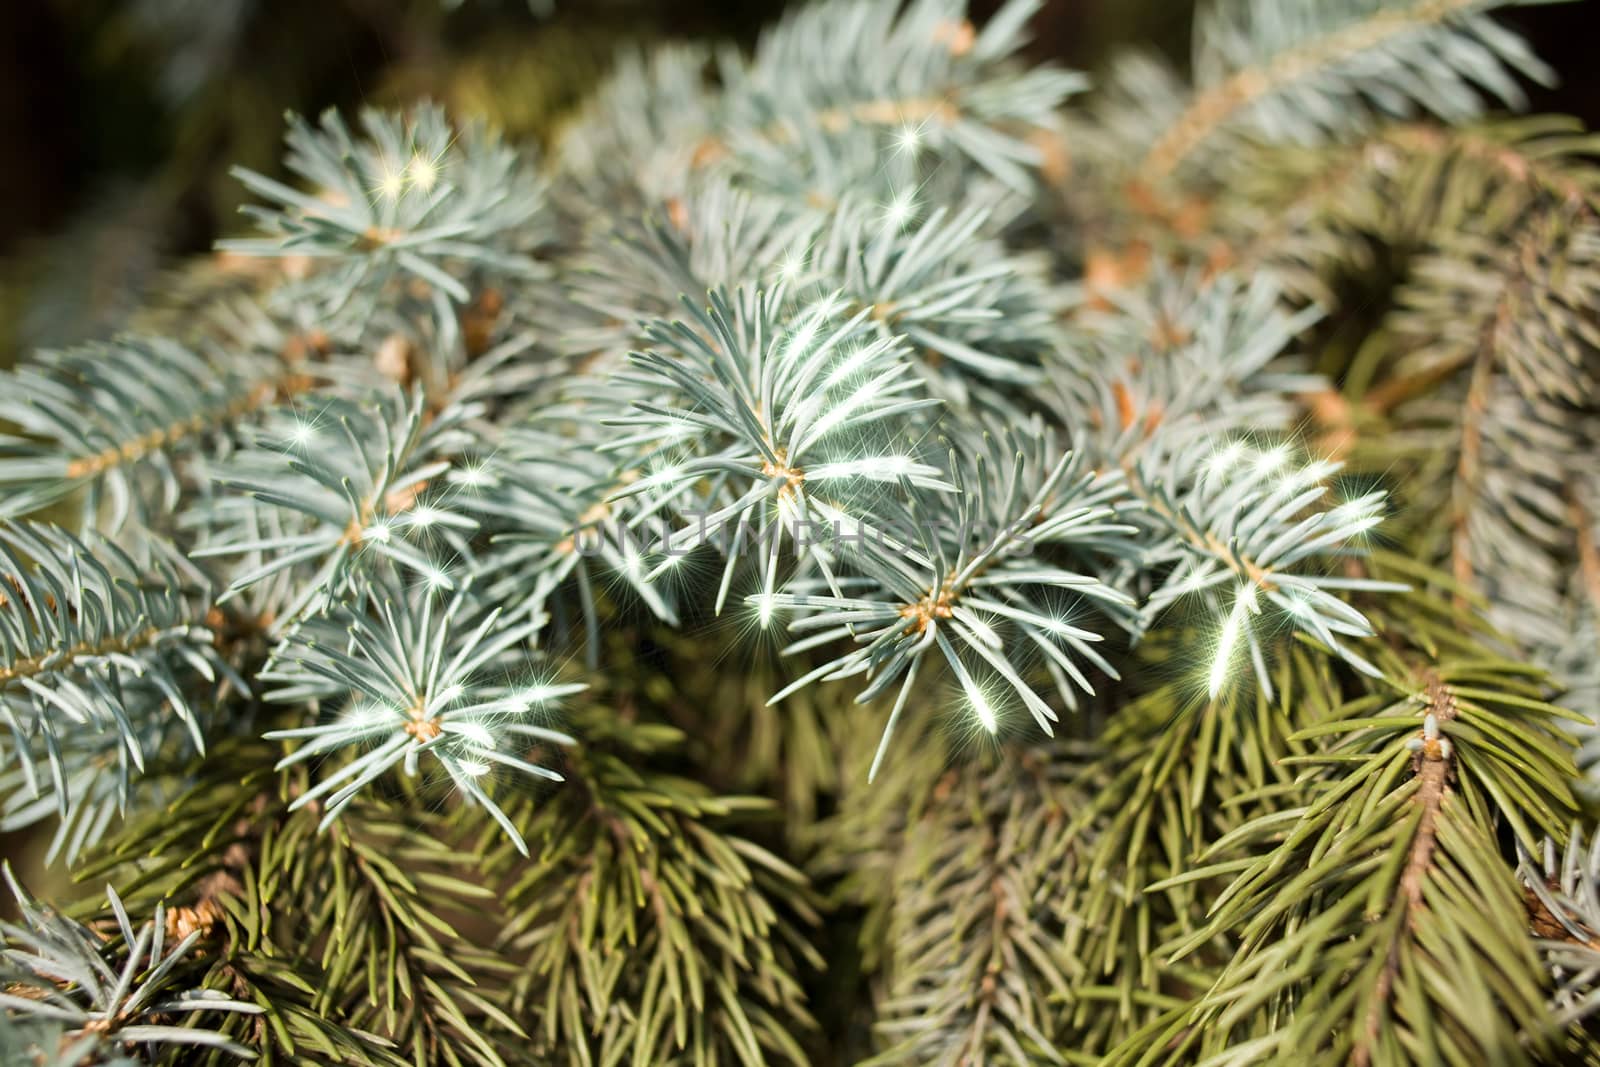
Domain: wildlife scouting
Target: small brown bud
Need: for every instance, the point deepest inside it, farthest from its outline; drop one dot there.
(393, 358)
(958, 35)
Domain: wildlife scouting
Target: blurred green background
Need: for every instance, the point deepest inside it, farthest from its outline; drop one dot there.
(120, 118)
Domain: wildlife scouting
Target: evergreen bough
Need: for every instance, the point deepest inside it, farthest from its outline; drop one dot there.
(871, 552)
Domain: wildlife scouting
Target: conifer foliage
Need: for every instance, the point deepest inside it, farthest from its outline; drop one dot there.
(872, 551)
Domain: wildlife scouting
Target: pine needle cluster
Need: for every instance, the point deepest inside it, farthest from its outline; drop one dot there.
(871, 551)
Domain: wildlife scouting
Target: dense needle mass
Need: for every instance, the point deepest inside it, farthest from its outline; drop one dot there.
(1162, 502)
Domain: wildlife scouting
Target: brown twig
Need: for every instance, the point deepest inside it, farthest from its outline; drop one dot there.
(1432, 766)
